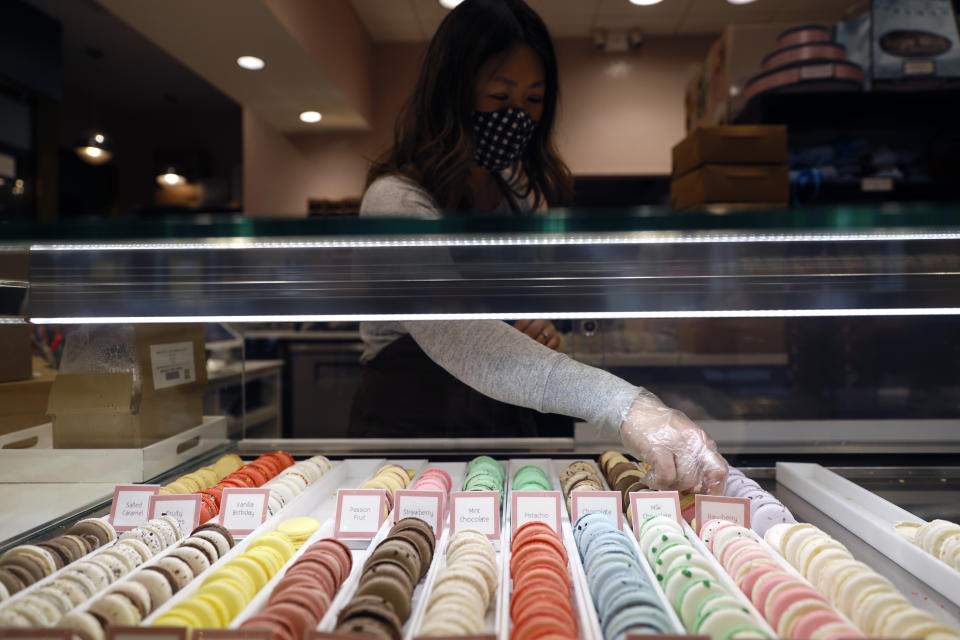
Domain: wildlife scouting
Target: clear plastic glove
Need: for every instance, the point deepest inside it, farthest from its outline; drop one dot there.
(683, 456)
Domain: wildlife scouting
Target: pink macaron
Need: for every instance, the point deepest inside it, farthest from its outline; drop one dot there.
(742, 558)
(750, 578)
(807, 624)
(778, 604)
(733, 547)
(763, 587)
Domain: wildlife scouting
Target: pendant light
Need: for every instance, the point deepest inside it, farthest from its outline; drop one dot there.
(94, 147)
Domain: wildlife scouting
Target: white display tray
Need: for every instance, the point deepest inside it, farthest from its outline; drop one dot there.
(39, 462)
(871, 518)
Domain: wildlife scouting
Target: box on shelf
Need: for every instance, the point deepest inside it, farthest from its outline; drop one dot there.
(716, 90)
(730, 144)
(720, 183)
(733, 335)
(159, 397)
(17, 360)
(23, 403)
(915, 40)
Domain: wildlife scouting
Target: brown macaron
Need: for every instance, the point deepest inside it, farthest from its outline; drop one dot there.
(80, 546)
(424, 551)
(59, 557)
(174, 584)
(628, 479)
(400, 551)
(575, 467)
(26, 564)
(213, 526)
(391, 590)
(418, 525)
(368, 626)
(392, 569)
(374, 607)
(11, 581)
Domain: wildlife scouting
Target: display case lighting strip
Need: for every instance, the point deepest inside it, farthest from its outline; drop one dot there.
(576, 315)
(638, 237)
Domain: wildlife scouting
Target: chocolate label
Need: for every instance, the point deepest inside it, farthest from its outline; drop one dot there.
(605, 502)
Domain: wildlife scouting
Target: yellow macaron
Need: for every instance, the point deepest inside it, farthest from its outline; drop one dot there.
(253, 569)
(231, 574)
(228, 592)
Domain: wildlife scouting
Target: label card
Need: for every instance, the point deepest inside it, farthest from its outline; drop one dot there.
(243, 510)
(478, 510)
(231, 634)
(429, 506)
(535, 506)
(185, 508)
(360, 512)
(605, 502)
(654, 503)
(735, 510)
(172, 364)
(131, 505)
(36, 634)
(146, 633)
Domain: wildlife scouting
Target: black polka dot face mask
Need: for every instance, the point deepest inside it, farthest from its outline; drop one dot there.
(500, 136)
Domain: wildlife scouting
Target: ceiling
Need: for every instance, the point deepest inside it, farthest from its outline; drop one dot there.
(416, 20)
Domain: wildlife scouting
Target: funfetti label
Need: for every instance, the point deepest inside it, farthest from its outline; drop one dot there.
(146, 633)
(479, 510)
(535, 506)
(426, 505)
(231, 634)
(131, 505)
(735, 510)
(36, 634)
(606, 502)
(644, 504)
(184, 508)
(243, 510)
(360, 512)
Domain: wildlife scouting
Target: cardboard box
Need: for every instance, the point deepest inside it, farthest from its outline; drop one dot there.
(16, 362)
(726, 183)
(733, 59)
(101, 410)
(733, 335)
(731, 144)
(23, 404)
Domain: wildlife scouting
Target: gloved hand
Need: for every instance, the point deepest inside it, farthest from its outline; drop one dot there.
(683, 456)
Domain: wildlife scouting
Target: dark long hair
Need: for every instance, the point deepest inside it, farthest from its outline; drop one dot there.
(432, 138)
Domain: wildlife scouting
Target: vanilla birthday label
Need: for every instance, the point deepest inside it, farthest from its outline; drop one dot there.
(131, 505)
(243, 510)
(479, 510)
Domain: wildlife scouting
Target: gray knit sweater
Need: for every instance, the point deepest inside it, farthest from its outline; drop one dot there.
(489, 355)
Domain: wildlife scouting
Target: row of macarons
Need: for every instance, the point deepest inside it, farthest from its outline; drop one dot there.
(792, 607)
(84, 579)
(228, 589)
(939, 538)
(692, 584)
(864, 596)
(381, 605)
(623, 596)
(540, 603)
(25, 565)
(250, 475)
(145, 588)
(463, 589)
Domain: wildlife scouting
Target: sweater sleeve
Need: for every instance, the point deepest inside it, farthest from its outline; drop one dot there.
(493, 357)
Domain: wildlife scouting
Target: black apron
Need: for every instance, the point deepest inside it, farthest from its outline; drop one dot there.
(405, 394)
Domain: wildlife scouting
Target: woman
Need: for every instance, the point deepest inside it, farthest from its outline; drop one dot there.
(477, 136)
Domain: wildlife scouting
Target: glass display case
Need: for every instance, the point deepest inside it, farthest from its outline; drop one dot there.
(817, 347)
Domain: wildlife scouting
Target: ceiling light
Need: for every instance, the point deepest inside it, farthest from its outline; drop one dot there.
(311, 116)
(645, 3)
(253, 63)
(171, 178)
(94, 148)
(741, 1)
(449, 4)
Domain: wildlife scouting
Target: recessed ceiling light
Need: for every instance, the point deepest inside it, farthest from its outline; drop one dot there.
(253, 63)
(311, 116)
(449, 4)
(645, 3)
(741, 1)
